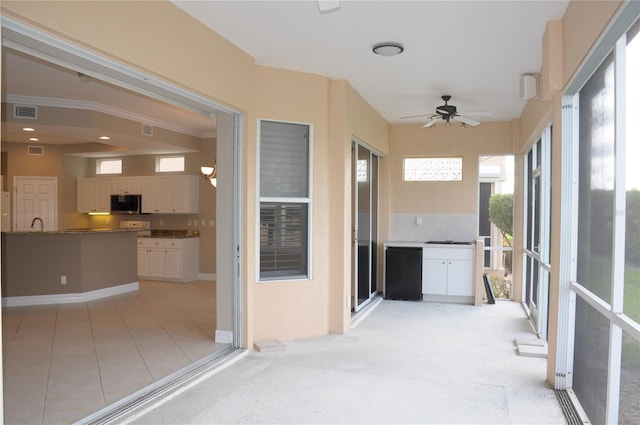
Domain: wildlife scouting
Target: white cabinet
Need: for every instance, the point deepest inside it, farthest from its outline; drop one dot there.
(126, 186)
(171, 259)
(94, 195)
(448, 271)
(170, 194)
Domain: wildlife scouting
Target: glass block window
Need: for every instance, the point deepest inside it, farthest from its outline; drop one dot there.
(432, 169)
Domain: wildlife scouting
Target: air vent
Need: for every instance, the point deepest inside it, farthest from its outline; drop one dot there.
(35, 150)
(147, 130)
(25, 111)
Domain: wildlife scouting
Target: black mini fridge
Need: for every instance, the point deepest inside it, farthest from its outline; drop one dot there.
(403, 273)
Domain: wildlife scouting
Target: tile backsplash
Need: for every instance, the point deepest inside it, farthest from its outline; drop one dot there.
(458, 227)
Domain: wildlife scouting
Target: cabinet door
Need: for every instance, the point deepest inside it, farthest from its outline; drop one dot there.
(94, 195)
(460, 277)
(134, 185)
(173, 263)
(164, 194)
(85, 196)
(102, 192)
(149, 203)
(156, 262)
(434, 277)
(119, 186)
(143, 261)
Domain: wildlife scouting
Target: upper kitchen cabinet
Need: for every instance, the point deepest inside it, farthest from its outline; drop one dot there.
(94, 195)
(126, 186)
(170, 194)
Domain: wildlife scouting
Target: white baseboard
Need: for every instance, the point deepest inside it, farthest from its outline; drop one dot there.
(224, 337)
(69, 298)
(207, 276)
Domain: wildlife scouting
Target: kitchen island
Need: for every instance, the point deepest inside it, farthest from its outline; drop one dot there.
(67, 266)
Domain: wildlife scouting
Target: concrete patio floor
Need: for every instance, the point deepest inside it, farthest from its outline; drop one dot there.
(405, 362)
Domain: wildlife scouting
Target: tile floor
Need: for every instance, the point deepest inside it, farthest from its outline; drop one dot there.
(64, 362)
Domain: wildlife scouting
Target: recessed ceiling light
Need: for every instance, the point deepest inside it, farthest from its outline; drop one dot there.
(105, 138)
(33, 139)
(388, 49)
(28, 129)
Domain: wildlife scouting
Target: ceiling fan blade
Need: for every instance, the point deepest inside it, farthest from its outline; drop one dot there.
(418, 116)
(442, 111)
(466, 120)
(432, 122)
(475, 114)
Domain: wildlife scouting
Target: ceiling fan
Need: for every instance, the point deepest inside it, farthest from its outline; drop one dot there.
(447, 113)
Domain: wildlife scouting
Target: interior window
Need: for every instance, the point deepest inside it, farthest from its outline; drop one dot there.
(169, 164)
(109, 166)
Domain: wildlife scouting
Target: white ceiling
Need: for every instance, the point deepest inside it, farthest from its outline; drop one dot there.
(475, 51)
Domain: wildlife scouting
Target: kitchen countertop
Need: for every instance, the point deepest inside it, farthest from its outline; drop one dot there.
(69, 231)
(444, 244)
(167, 233)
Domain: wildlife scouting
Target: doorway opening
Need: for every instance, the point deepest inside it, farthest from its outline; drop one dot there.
(495, 221)
(223, 322)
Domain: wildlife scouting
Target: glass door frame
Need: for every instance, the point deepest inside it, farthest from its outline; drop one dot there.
(373, 231)
(537, 241)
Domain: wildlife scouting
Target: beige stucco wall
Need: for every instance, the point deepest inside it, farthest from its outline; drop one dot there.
(490, 138)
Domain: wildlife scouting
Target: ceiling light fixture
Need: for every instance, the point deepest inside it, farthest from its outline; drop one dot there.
(210, 173)
(33, 139)
(105, 138)
(388, 49)
(28, 129)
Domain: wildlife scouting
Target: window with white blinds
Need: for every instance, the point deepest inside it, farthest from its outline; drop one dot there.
(284, 200)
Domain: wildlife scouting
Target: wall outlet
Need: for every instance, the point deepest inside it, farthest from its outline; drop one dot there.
(63, 280)
(418, 220)
(212, 223)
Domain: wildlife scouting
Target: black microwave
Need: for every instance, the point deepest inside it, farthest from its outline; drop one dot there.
(126, 204)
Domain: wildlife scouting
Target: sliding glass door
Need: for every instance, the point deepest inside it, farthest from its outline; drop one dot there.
(364, 225)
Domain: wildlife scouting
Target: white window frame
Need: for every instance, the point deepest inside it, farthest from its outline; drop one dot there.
(308, 200)
(100, 161)
(614, 39)
(159, 161)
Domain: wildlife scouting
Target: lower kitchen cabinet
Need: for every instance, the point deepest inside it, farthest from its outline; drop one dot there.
(173, 259)
(448, 272)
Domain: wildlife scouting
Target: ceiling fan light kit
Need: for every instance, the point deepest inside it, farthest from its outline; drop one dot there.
(388, 49)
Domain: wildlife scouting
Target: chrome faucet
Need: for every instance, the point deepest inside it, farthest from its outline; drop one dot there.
(33, 222)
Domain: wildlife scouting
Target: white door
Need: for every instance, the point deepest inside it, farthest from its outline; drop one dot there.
(35, 197)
